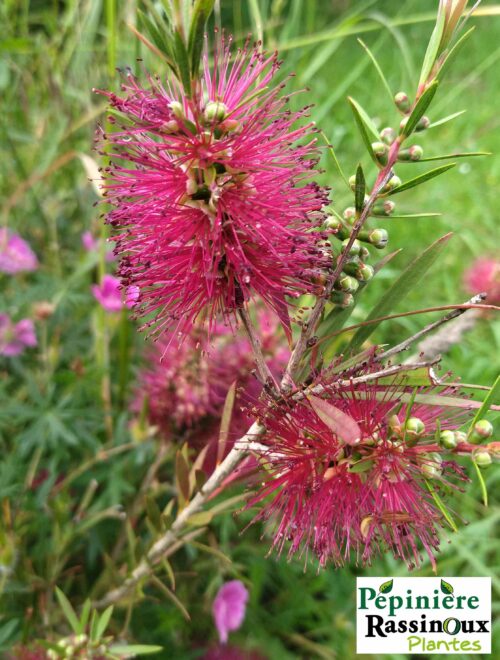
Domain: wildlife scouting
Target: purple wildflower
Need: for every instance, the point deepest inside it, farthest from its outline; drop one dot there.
(229, 607)
(15, 337)
(16, 255)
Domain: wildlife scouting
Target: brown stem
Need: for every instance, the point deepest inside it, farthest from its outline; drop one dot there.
(263, 370)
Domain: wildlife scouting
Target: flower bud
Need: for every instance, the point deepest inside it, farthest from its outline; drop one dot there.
(364, 253)
(342, 299)
(364, 272)
(351, 265)
(402, 102)
(431, 465)
(448, 440)
(177, 109)
(355, 247)
(376, 237)
(170, 127)
(215, 111)
(347, 283)
(332, 224)
(380, 151)
(393, 182)
(349, 215)
(481, 431)
(388, 135)
(385, 207)
(482, 458)
(43, 310)
(423, 123)
(352, 182)
(413, 153)
(414, 430)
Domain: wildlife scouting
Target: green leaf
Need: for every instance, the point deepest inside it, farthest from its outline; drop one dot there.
(182, 478)
(84, 617)
(482, 483)
(361, 466)
(130, 650)
(182, 62)
(441, 506)
(422, 178)
(200, 519)
(420, 107)
(201, 12)
(153, 513)
(378, 68)
(471, 154)
(386, 587)
(453, 52)
(433, 47)
(335, 160)
(225, 423)
(359, 189)
(406, 216)
(68, 611)
(103, 622)
(492, 396)
(366, 127)
(410, 278)
(337, 421)
(446, 587)
(446, 119)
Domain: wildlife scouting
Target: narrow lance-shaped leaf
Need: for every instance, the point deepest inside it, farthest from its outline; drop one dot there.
(470, 154)
(182, 476)
(482, 483)
(131, 650)
(359, 189)
(492, 396)
(433, 47)
(422, 178)
(103, 622)
(68, 611)
(337, 421)
(410, 278)
(366, 127)
(420, 107)
(201, 12)
(378, 68)
(182, 61)
(445, 120)
(227, 413)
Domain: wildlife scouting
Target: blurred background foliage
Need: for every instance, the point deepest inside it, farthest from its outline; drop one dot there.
(67, 474)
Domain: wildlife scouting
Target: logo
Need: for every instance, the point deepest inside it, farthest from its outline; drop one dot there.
(423, 615)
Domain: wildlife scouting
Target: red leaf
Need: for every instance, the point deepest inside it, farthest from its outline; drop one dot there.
(337, 421)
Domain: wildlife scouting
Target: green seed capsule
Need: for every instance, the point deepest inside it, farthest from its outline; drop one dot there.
(376, 237)
(364, 272)
(482, 431)
(215, 111)
(402, 101)
(347, 283)
(355, 247)
(385, 208)
(482, 458)
(448, 439)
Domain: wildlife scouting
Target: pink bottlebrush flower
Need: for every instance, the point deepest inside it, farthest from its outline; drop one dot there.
(16, 255)
(91, 244)
(15, 337)
(111, 296)
(228, 608)
(186, 386)
(211, 194)
(484, 276)
(358, 498)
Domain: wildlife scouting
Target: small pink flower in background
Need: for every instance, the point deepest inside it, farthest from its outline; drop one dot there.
(229, 608)
(484, 275)
(91, 244)
(15, 337)
(16, 255)
(111, 295)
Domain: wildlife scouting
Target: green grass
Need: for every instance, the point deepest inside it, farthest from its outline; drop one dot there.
(53, 54)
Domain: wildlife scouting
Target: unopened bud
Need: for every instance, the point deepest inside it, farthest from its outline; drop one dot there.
(482, 458)
(332, 224)
(349, 215)
(215, 111)
(43, 310)
(402, 102)
(448, 439)
(354, 249)
(351, 265)
(364, 272)
(388, 135)
(423, 123)
(431, 465)
(177, 109)
(394, 425)
(481, 431)
(414, 430)
(376, 237)
(347, 283)
(352, 182)
(393, 182)
(342, 299)
(380, 151)
(413, 153)
(384, 208)
(170, 126)
(364, 253)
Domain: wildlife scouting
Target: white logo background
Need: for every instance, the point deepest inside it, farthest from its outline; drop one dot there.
(418, 642)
